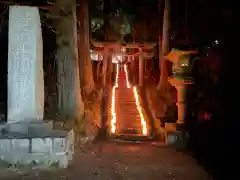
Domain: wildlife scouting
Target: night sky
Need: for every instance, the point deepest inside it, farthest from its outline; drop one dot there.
(207, 20)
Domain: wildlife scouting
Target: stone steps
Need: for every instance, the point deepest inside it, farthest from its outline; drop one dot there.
(128, 118)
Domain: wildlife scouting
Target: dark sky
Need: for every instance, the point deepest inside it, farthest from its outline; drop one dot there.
(205, 18)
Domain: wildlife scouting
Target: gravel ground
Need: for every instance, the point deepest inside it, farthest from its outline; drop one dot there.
(120, 161)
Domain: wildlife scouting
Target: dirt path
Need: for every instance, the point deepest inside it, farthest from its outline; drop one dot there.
(120, 161)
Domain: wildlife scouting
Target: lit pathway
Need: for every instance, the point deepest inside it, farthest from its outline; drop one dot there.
(127, 113)
(119, 161)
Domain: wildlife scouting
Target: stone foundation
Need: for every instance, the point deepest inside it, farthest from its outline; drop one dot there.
(24, 127)
(36, 145)
(175, 137)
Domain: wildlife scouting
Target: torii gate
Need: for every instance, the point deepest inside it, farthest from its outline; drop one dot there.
(117, 48)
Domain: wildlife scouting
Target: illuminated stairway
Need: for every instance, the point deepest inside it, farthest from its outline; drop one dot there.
(127, 115)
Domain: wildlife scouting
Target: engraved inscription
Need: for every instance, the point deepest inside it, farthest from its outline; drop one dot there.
(25, 83)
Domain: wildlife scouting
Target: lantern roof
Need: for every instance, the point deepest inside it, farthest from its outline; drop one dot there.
(176, 54)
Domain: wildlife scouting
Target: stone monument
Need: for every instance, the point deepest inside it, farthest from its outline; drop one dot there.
(26, 138)
(25, 66)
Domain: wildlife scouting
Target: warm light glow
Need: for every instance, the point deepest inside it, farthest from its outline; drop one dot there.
(143, 122)
(184, 62)
(123, 49)
(95, 57)
(136, 96)
(114, 118)
(119, 58)
(125, 70)
(116, 59)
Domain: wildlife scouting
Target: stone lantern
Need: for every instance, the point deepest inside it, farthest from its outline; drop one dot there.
(181, 68)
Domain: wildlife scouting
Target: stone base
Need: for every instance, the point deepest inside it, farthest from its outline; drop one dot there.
(35, 145)
(175, 137)
(170, 126)
(25, 127)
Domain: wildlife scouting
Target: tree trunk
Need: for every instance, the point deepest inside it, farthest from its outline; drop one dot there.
(98, 71)
(86, 72)
(106, 25)
(110, 67)
(69, 95)
(165, 47)
(104, 67)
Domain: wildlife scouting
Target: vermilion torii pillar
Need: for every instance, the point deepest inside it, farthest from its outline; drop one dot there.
(141, 66)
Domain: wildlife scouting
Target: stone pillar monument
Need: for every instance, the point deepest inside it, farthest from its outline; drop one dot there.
(25, 66)
(26, 139)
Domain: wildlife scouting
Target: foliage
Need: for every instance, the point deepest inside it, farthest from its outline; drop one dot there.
(96, 14)
(96, 24)
(120, 22)
(96, 5)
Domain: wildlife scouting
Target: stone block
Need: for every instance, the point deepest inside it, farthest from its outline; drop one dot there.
(176, 138)
(59, 145)
(40, 145)
(2, 126)
(40, 127)
(21, 146)
(53, 148)
(5, 145)
(170, 126)
(18, 127)
(173, 137)
(34, 127)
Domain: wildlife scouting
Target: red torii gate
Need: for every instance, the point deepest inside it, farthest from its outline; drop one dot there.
(117, 48)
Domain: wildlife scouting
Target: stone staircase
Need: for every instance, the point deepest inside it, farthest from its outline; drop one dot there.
(128, 118)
